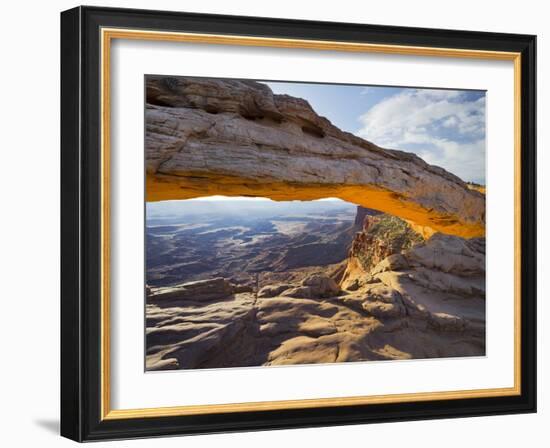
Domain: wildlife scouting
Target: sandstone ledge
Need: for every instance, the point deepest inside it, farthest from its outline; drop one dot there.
(236, 138)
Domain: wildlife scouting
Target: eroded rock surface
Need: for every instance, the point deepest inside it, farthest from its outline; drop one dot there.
(198, 291)
(411, 304)
(211, 136)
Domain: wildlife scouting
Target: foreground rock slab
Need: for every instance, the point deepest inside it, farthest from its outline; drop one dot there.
(409, 306)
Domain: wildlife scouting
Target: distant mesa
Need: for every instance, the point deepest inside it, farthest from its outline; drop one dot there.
(199, 291)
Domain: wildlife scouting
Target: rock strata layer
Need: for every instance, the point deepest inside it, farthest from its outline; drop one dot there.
(231, 137)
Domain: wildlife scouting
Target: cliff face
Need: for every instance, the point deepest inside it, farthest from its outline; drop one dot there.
(362, 213)
(383, 236)
(439, 279)
(229, 137)
(379, 236)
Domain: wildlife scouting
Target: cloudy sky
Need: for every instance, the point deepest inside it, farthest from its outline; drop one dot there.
(444, 127)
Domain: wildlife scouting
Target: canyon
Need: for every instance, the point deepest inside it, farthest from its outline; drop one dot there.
(375, 290)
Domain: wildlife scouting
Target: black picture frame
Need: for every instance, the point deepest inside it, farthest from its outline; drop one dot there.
(81, 224)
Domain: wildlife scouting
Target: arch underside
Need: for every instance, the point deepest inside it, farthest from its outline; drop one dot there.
(167, 187)
(207, 136)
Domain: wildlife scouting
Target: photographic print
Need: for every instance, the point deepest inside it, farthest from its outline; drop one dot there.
(297, 223)
(255, 201)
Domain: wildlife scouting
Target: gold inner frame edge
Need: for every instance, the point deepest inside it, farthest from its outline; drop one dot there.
(107, 35)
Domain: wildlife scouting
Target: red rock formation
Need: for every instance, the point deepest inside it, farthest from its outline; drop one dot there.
(381, 235)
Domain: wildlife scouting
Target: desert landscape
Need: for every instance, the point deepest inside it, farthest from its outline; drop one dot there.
(273, 237)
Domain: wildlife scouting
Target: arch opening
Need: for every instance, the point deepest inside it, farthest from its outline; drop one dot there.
(161, 188)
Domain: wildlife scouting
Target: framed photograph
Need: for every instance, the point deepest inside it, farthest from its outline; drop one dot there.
(276, 224)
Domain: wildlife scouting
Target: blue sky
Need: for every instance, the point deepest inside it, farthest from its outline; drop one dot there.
(444, 127)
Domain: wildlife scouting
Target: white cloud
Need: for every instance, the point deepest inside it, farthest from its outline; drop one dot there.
(444, 127)
(450, 122)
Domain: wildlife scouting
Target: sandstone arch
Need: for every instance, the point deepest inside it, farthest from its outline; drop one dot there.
(237, 138)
